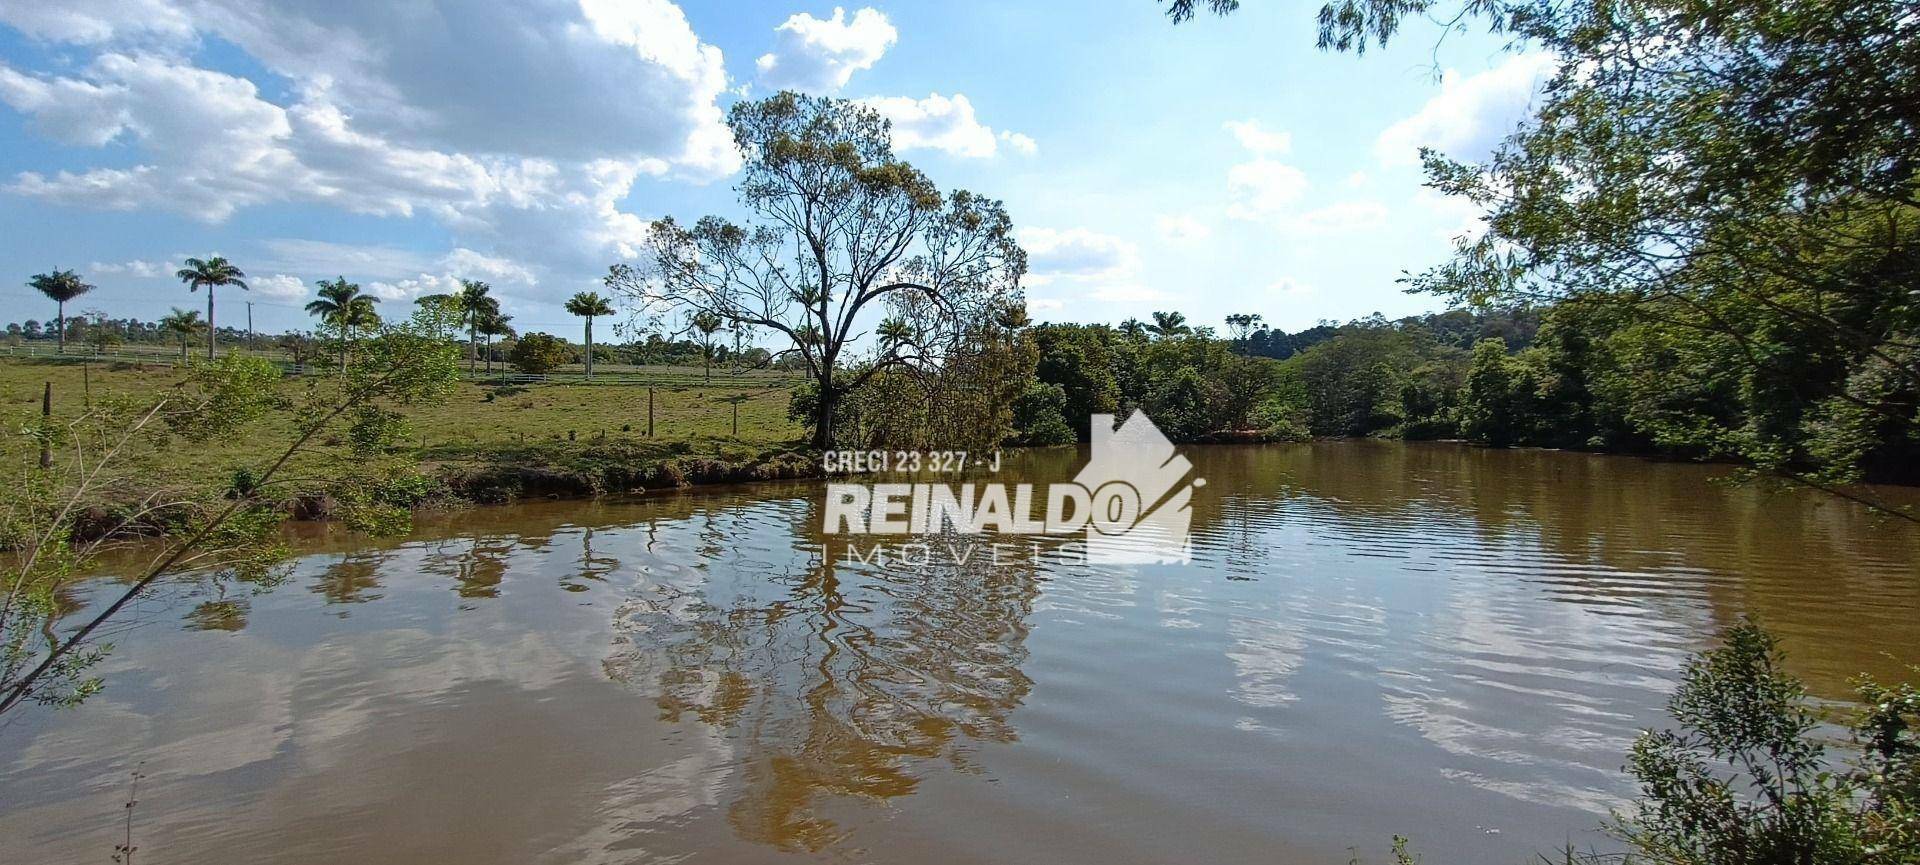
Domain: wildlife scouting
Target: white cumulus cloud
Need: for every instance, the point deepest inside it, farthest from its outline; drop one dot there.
(1459, 218)
(820, 55)
(1263, 187)
(1077, 253)
(93, 21)
(1020, 143)
(1092, 265)
(1470, 114)
(519, 125)
(1341, 217)
(278, 286)
(1256, 138)
(393, 273)
(940, 123)
(138, 269)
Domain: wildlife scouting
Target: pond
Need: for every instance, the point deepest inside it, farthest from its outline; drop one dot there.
(1449, 643)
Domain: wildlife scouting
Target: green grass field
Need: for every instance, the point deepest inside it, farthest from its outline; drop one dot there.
(477, 421)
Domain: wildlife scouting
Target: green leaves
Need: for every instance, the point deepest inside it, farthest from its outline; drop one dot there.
(1746, 778)
(221, 396)
(539, 353)
(1735, 179)
(588, 304)
(59, 286)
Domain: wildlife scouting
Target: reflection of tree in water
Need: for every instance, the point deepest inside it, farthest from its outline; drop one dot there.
(352, 579)
(479, 569)
(593, 566)
(227, 614)
(839, 685)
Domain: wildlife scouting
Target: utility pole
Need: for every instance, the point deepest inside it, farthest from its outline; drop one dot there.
(249, 325)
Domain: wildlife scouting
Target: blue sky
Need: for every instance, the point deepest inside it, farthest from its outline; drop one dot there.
(1216, 167)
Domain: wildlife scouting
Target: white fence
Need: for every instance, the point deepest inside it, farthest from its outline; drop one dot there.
(666, 377)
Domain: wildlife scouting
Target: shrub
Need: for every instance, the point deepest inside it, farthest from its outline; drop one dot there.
(1749, 779)
(539, 353)
(1281, 421)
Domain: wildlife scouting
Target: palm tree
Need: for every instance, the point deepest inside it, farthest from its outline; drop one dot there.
(1011, 317)
(894, 332)
(588, 304)
(342, 305)
(706, 323)
(183, 323)
(475, 307)
(60, 286)
(492, 326)
(1134, 328)
(1167, 324)
(215, 271)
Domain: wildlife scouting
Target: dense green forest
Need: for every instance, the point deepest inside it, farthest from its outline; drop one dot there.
(1570, 375)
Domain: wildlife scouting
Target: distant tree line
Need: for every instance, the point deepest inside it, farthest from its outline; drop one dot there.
(1569, 375)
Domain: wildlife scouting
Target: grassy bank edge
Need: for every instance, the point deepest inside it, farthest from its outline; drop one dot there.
(450, 479)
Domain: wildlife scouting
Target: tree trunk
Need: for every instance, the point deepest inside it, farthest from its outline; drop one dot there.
(473, 346)
(62, 315)
(183, 348)
(489, 350)
(210, 328)
(823, 414)
(589, 346)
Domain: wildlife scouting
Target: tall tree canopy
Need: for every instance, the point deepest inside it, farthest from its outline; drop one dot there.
(343, 306)
(60, 286)
(842, 229)
(589, 305)
(183, 323)
(473, 306)
(495, 325)
(210, 273)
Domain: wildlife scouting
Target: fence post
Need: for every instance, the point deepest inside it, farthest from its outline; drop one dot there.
(46, 415)
(736, 416)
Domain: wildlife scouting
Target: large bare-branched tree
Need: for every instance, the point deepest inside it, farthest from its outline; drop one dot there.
(847, 242)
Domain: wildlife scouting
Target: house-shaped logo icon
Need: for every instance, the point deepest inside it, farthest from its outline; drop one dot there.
(1142, 501)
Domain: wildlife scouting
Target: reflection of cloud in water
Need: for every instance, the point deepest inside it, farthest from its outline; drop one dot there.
(202, 730)
(632, 806)
(247, 715)
(1265, 654)
(1493, 682)
(344, 684)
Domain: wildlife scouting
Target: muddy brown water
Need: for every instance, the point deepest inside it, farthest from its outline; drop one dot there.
(1448, 643)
